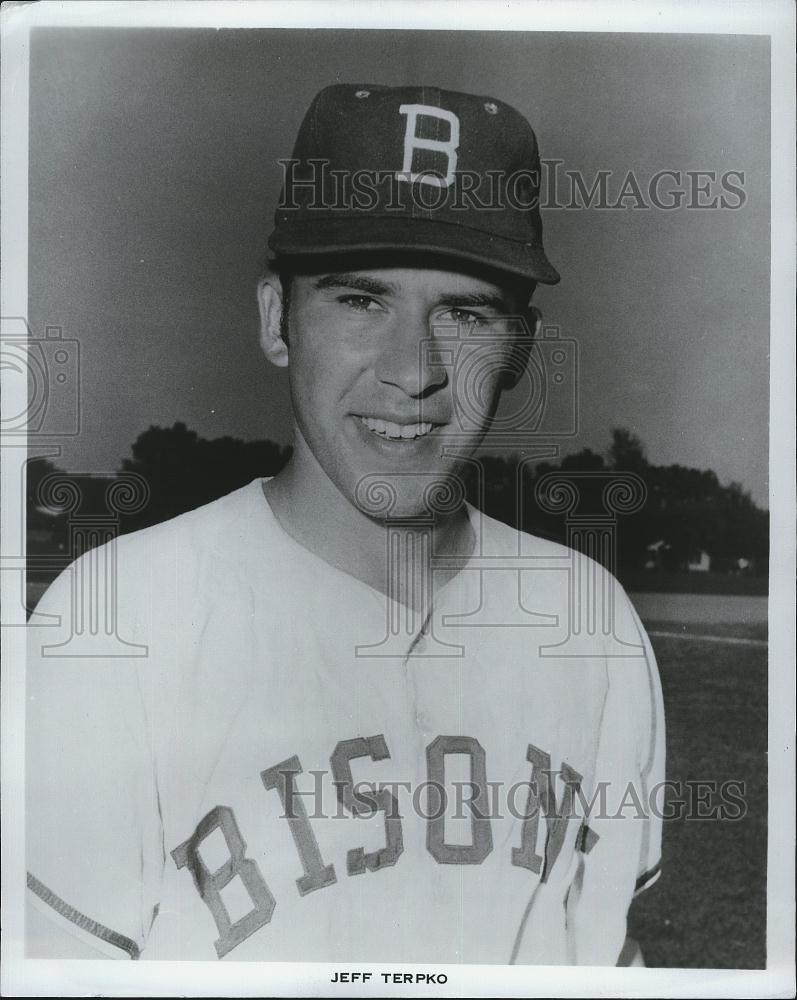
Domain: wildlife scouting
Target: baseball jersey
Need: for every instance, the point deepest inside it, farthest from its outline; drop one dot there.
(237, 751)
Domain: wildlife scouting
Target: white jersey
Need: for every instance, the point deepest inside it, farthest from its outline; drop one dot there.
(280, 764)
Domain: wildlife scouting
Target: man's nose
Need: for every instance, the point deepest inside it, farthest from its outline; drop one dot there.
(408, 359)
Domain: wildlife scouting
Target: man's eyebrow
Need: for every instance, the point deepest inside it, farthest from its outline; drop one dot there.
(358, 282)
(475, 300)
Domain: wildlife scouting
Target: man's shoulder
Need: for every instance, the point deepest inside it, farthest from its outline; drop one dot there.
(512, 547)
(499, 538)
(181, 549)
(222, 521)
(220, 529)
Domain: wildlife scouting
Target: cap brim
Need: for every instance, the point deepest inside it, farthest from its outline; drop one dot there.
(308, 237)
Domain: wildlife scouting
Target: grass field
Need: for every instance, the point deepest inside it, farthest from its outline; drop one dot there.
(663, 582)
(708, 909)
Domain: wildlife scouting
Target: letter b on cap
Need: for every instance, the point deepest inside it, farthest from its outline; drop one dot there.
(413, 141)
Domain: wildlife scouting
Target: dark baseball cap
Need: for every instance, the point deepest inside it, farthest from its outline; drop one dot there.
(414, 169)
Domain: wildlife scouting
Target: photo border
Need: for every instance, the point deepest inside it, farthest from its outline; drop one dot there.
(775, 18)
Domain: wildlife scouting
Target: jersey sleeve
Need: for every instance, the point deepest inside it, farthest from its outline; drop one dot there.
(93, 841)
(651, 761)
(621, 837)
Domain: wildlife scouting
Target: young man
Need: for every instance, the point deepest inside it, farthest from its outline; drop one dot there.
(341, 715)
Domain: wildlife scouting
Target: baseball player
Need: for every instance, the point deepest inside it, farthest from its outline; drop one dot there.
(341, 715)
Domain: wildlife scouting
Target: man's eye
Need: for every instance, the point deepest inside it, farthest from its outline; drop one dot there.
(359, 303)
(466, 317)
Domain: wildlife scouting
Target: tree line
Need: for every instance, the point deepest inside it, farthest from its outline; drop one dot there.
(686, 512)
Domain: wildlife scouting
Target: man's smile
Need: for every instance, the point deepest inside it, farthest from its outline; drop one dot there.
(396, 440)
(392, 429)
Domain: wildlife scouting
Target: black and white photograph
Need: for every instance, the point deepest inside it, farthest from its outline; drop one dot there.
(398, 499)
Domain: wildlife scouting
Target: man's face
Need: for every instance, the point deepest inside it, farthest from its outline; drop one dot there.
(375, 358)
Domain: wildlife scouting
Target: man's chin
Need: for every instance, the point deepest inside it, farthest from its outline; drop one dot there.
(408, 496)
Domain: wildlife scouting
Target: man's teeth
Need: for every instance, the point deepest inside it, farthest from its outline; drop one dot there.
(386, 428)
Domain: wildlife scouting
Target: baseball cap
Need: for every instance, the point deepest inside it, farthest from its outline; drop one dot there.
(414, 169)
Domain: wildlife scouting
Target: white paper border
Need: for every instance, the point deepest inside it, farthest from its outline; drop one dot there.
(764, 17)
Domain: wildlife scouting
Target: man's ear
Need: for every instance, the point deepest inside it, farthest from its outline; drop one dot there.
(522, 349)
(269, 301)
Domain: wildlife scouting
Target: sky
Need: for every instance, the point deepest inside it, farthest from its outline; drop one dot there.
(154, 177)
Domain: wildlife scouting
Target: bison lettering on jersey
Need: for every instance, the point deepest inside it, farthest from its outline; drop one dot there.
(318, 873)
